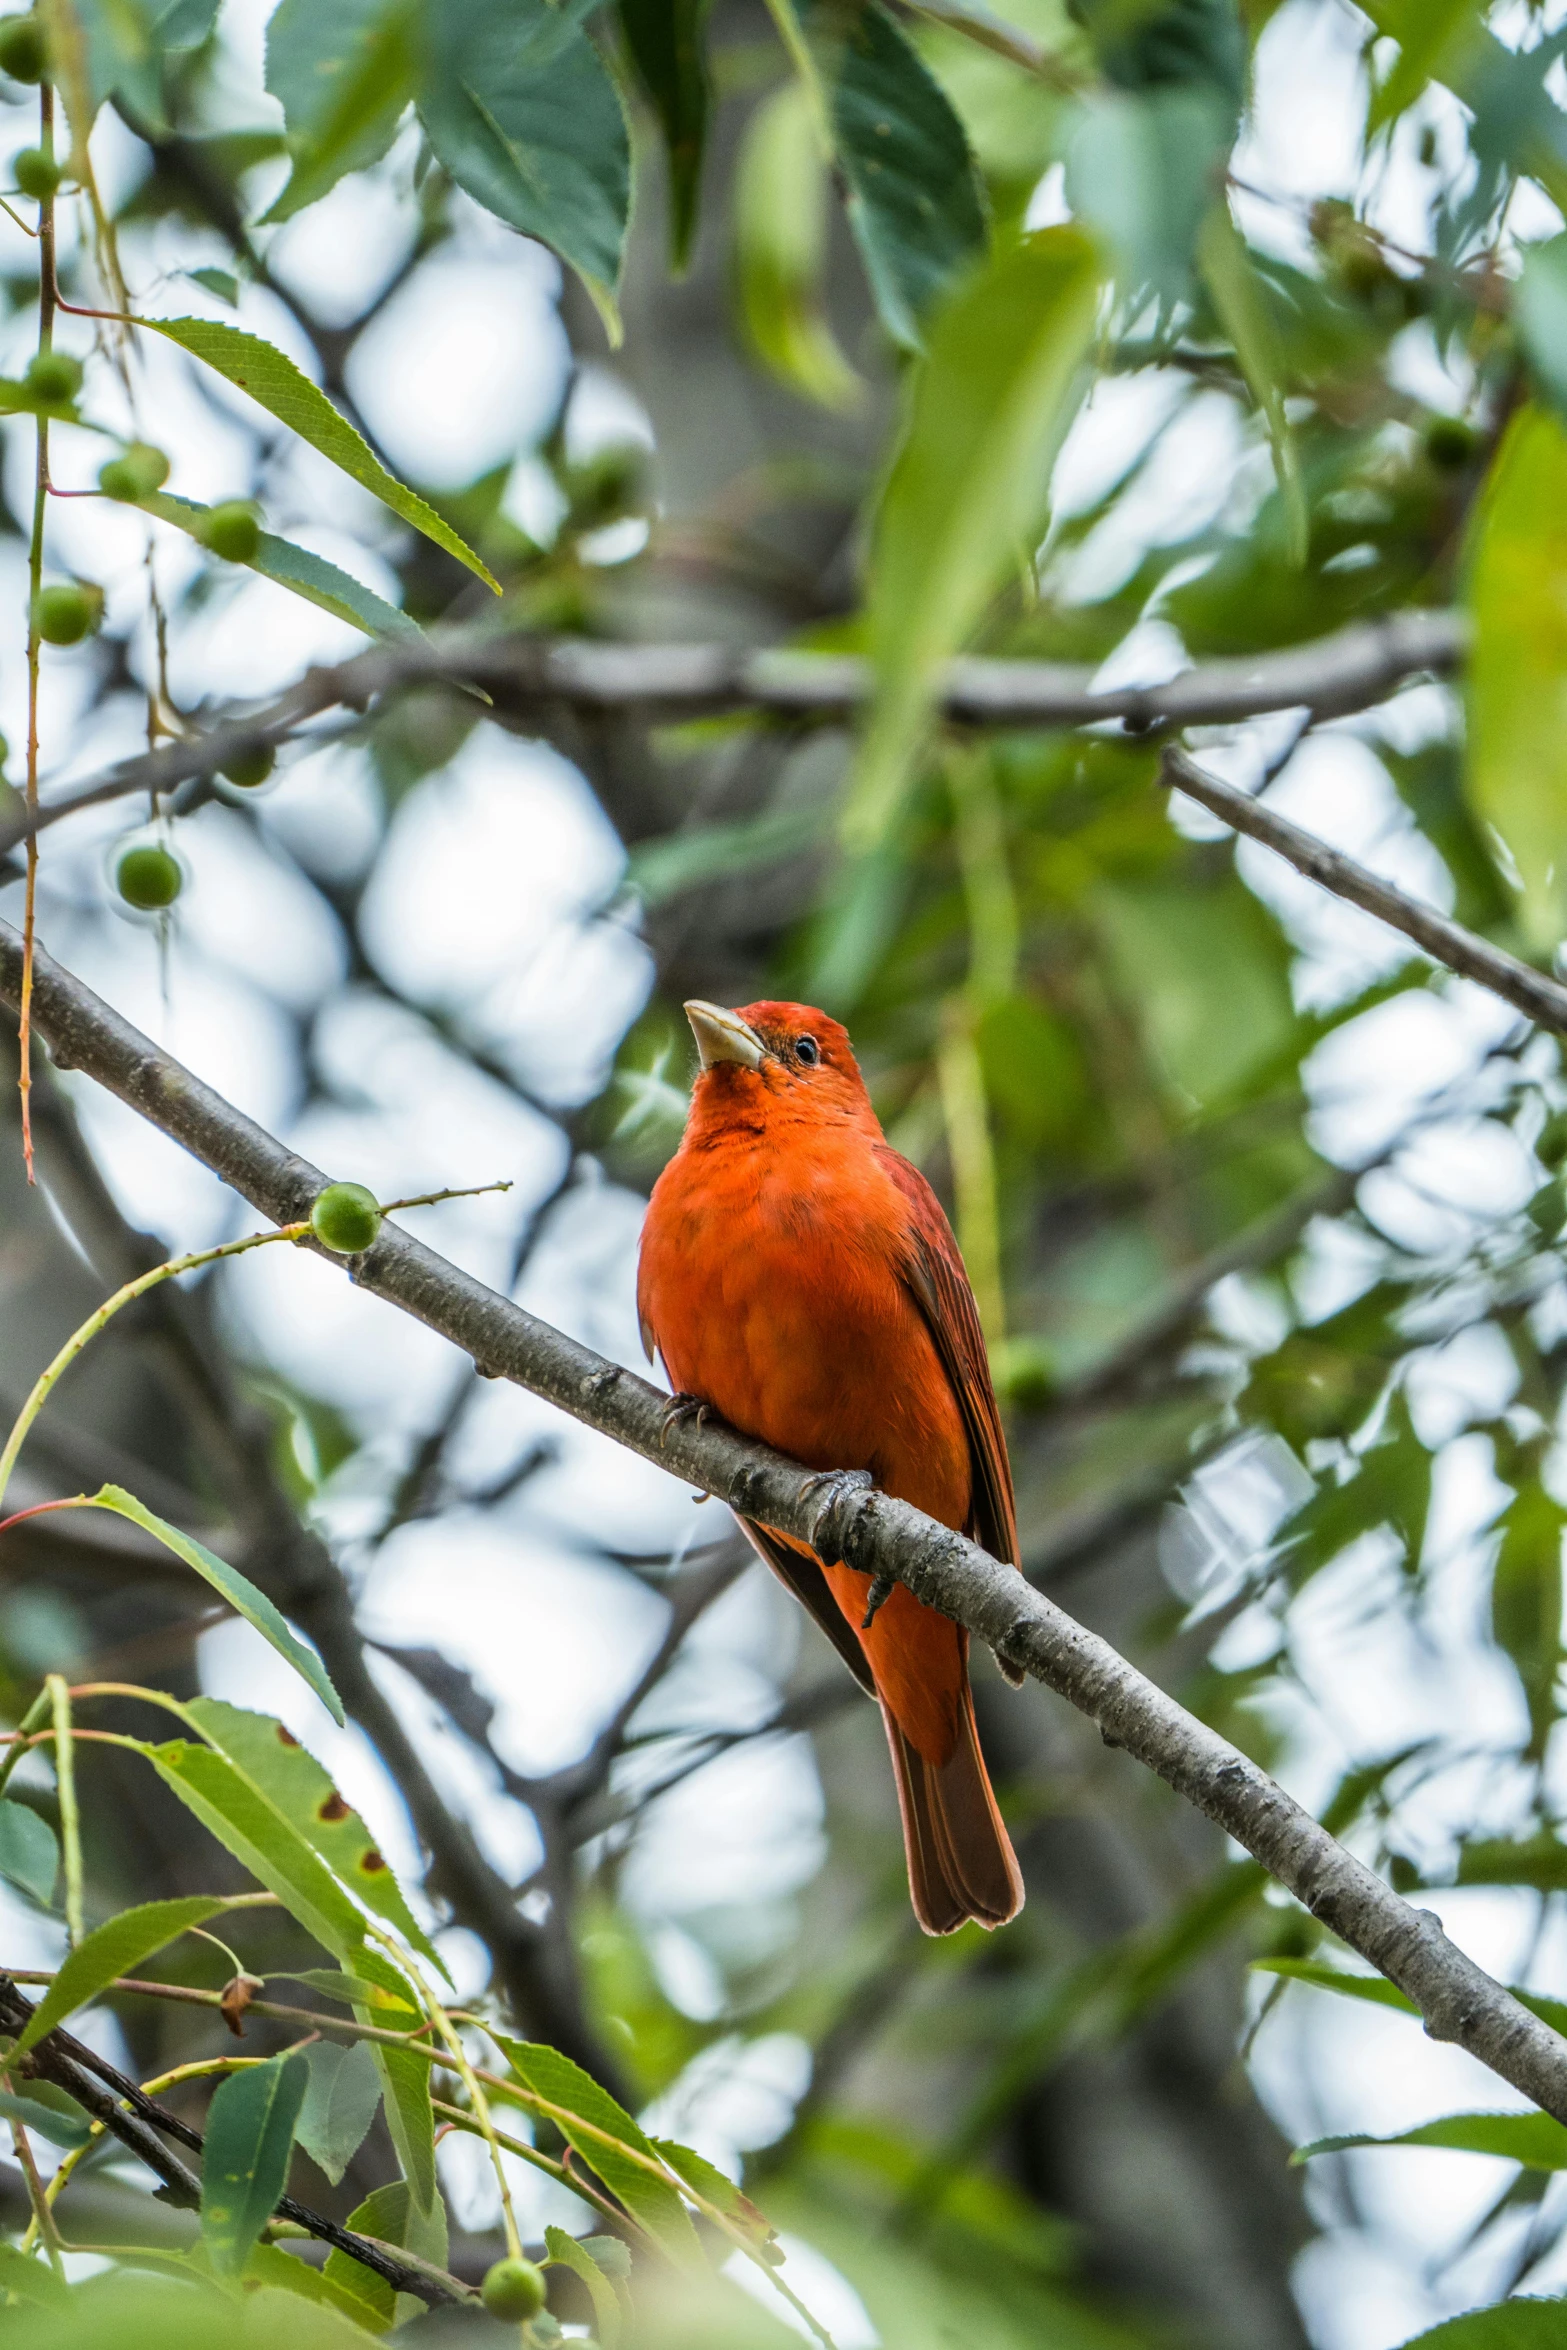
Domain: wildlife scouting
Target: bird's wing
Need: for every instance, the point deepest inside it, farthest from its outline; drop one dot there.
(803, 1576)
(933, 1273)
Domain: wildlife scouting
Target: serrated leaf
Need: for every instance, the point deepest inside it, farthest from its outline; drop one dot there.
(275, 384)
(352, 1990)
(29, 1851)
(387, 2213)
(244, 2165)
(1534, 2139)
(780, 220)
(913, 192)
(66, 2130)
(606, 2305)
(967, 490)
(518, 107)
(319, 582)
(233, 1807)
(290, 1777)
(340, 2104)
(666, 42)
(718, 2188)
(113, 1949)
(241, 1594)
(602, 2133)
(343, 73)
(405, 2077)
(1516, 768)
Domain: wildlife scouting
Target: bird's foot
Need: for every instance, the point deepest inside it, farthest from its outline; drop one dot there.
(882, 1588)
(835, 1486)
(679, 1409)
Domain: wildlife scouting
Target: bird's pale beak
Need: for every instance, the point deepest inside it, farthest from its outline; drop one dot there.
(724, 1036)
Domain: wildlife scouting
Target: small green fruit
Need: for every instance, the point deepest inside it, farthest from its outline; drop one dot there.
(149, 878)
(67, 612)
(249, 767)
(346, 1219)
(231, 532)
(135, 473)
(35, 173)
(513, 2291)
(53, 377)
(24, 53)
(1450, 443)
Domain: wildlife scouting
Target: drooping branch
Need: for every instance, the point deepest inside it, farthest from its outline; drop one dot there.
(1357, 667)
(1445, 941)
(868, 1530)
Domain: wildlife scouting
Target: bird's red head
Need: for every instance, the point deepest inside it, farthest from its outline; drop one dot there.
(768, 1060)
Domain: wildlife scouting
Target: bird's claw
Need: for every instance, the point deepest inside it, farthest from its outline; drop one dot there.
(835, 1486)
(680, 1408)
(882, 1588)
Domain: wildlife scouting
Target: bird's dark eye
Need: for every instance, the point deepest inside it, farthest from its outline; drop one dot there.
(807, 1049)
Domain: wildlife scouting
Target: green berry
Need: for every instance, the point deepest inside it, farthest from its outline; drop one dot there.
(66, 612)
(24, 53)
(135, 473)
(231, 531)
(346, 1219)
(249, 767)
(513, 2291)
(53, 377)
(36, 174)
(149, 878)
(1450, 443)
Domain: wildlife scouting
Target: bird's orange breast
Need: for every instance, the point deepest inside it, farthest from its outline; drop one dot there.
(769, 1281)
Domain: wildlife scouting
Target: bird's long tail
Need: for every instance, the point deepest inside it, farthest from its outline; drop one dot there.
(961, 1862)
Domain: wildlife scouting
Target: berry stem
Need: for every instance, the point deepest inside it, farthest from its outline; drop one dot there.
(47, 295)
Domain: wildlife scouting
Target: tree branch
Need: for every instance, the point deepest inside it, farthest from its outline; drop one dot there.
(1445, 941)
(1360, 665)
(870, 1531)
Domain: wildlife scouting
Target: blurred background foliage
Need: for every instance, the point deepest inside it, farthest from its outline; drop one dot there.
(1129, 334)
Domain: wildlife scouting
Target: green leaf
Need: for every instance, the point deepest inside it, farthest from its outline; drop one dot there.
(1534, 2139)
(233, 1807)
(1540, 310)
(666, 41)
(388, 2214)
(276, 384)
(518, 107)
(780, 221)
(241, 1594)
(718, 2188)
(304, 574)
(1516, 772)
(32, 2279)
(113, 1949)
(1140, 171)
(1241, 300)
(1385, 1994)
(290, 1777)
(574, 2099)
(677, 861)
(352, 1990)
(127, 46)
(65, 2129)
(340, 2104)
(1521, 2324)
(29, 1851)
(1205, 974)
(1435, 40)
(913, 192)
(405, 2077)
(966, 494)
(244, 2166)
(343, 72)
(606, 2303)
(222, 284)
(1153, 44)
(1526, 1603)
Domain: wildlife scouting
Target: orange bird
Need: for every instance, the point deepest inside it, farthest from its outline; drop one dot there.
(800, 1277)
